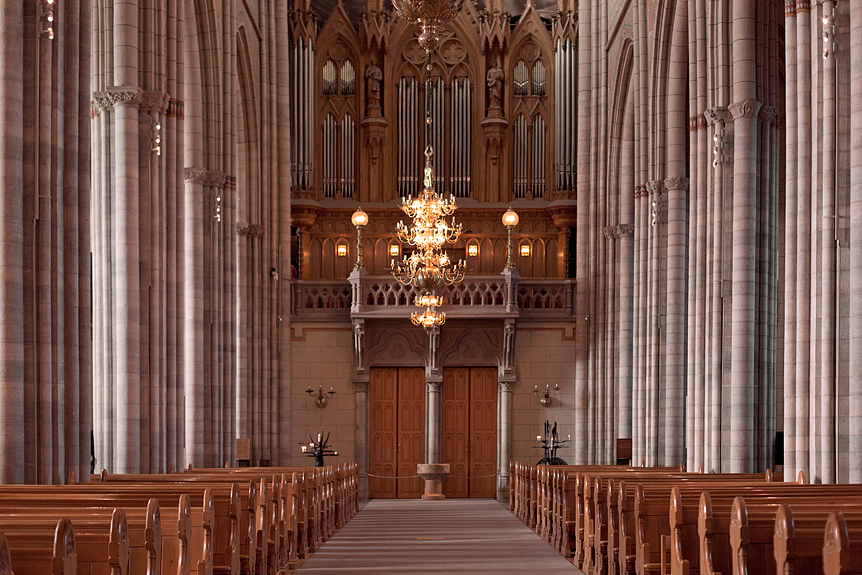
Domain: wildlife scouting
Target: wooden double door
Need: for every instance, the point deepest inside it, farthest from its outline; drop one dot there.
(469, 425)
(397, 431)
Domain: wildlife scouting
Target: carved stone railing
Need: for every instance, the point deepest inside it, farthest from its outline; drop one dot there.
(476, 296)
(321, 299)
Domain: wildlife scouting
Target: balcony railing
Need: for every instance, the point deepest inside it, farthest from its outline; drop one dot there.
(475, 297)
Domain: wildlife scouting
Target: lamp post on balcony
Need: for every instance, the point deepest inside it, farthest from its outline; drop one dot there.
(510, 220)
(359, 219)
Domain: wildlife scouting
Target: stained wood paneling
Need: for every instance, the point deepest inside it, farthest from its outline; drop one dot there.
(397, 431)
(455, 424)
(383, 432)
(483, 431)
(411, 430)
(469, 429)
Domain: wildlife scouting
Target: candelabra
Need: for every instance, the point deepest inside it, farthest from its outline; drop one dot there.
(550, 443)
(545, 396)
(430, 14)
(321, 396)
(317, 449)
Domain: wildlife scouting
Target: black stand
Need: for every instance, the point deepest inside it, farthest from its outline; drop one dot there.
(317, 449)
(550, 444)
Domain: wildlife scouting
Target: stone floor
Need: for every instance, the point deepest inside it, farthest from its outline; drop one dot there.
(456, 536)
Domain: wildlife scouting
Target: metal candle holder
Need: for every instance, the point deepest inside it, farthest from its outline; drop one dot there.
(317, 449)
(550, 443)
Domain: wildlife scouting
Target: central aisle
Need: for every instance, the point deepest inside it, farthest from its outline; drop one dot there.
(456, 536)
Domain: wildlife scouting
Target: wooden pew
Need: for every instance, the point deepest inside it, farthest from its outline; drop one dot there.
(842, 545)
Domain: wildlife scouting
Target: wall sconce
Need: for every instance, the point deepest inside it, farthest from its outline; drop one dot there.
(341, 250)
(394, 250)
(525, 250)
(473, 250)
(545, 396)
(321, 396)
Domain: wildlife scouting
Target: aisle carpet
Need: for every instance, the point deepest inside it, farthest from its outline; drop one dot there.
(456, 536)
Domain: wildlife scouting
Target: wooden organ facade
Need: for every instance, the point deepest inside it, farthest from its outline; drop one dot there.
(501, 91)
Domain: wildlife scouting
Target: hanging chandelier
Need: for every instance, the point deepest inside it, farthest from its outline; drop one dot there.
(429, 266)
(430, 14)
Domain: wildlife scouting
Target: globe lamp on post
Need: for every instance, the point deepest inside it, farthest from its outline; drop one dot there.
(510, 220)
(359, 219)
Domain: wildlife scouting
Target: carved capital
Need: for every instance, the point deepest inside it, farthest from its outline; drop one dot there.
(155, 101)
(124, 96)
(768, 115)
(676, 184)
(790, 7)
(745, 109)
(803, 6)
(205, 177)
(654, 187)
(715, 115)
(626, 230)
(434, 385)
(610, 232)
(249, 230)
(194, 174)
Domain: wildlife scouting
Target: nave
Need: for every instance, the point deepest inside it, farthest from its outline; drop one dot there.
(456, 536)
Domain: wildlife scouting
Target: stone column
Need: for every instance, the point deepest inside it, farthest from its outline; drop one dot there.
(360, 394)
(855, 351)
(193, 361)
(790, 238)
(433, 386)
(625, 372)
(803, 233)
(125, 276)
(506, 382)
(745, 163)
(828, 278)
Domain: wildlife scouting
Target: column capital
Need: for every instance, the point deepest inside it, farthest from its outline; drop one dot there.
(155, 101)
(654, 187)
(205, 177)
(434, 385)
(676, 184)
(249, 230)
(507, 382)
(119, 96)
(716, 114)
(745, 109)
(803, 6)
(768, 115)
(790, 7)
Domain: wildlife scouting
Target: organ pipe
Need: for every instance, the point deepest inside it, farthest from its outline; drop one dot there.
(348, 172)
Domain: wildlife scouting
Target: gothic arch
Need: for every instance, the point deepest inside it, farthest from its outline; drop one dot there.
(471, 347)
(397, 347)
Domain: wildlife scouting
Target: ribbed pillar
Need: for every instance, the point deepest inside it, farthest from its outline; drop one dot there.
(717, 117)
(745, 110)
(125, 274)
(828, 458)
(582, 383)
(855, 347)
(803, 234)
(193, 360)
(676, 188)
(790, 238)
(11, 246)
(625, 377)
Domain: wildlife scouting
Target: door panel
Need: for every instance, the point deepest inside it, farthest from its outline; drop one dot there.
(397, 431)
(411, 430)
(455, 424)
(383, 400)
(469, 431)
(483, 431)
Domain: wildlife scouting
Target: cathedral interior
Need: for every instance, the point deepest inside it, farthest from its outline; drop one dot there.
(182, 282)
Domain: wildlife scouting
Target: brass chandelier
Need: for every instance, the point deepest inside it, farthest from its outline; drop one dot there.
(429, 266)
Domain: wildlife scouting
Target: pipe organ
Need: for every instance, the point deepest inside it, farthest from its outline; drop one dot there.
(501, 91)
(565, 106)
